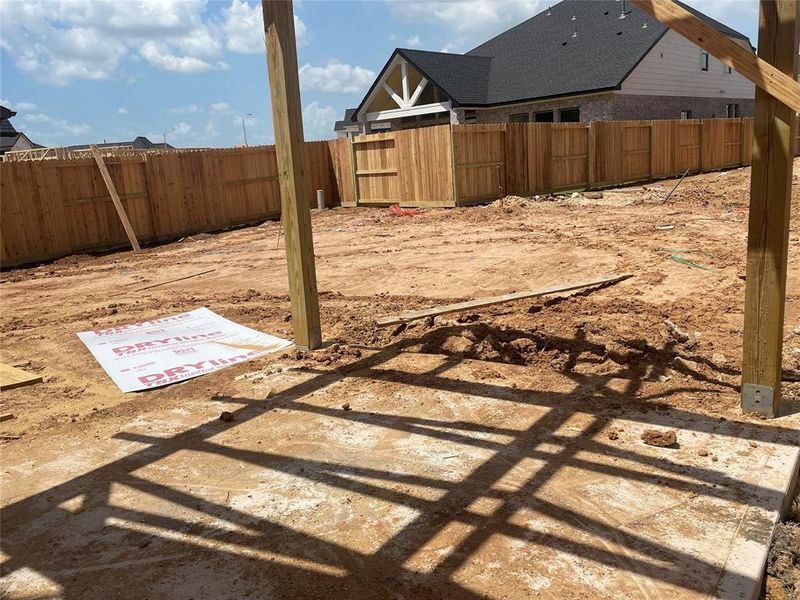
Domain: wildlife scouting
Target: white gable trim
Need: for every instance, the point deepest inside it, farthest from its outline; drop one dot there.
(397, 113)
(405, 101)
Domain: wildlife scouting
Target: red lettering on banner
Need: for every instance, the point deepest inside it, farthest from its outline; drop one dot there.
(185, 370)
(174, 371)
(133, 326)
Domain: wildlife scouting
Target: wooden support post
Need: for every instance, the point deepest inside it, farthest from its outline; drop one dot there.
(112, 190)
(768, 234)
(287, 120)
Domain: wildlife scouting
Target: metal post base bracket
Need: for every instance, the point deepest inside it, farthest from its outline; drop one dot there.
(758, 399)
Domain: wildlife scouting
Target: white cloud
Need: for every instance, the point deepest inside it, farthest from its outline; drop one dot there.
(52, 127)
(159, 55)
(222, 107)
(414, 42)
(335, 77)
(480, 19)
(182, 128)
(189, 108)
(17, 105)
(57, 41)
(243, 27)
(122, 111)
(318, 121)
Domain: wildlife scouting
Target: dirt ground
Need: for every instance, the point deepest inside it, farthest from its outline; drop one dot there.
(604, 354)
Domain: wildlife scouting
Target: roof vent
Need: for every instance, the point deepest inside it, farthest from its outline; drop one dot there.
(548, 11)
(574, 32)
(563, 43)
(619, 33)
(623, 13)
(644, 25)
(605, 13)
(574, 17)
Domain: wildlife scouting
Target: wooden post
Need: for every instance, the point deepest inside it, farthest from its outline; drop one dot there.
(770, 196)
(112, 190)
(284, 85)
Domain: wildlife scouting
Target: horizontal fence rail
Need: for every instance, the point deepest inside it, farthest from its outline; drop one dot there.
(54, 207)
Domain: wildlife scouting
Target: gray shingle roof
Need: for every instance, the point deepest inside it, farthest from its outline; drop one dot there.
(577, 46)
(349, 113)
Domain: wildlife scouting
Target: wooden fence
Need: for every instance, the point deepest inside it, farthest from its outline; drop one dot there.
(52, 208)
(411, 167)
(469, 164)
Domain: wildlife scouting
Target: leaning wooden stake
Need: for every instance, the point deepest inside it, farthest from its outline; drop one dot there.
(284, 85)
(770, 199)
(413, 315)
(112, 190)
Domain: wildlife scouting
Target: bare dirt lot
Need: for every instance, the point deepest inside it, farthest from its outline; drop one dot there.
(488, 454)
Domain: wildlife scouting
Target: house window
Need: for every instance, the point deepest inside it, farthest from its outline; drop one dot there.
(519, 118)
(686, 114)
(727, 69)
(704, 61)
(470, 116)
(732, 111)
(544, 116)
(570, 115)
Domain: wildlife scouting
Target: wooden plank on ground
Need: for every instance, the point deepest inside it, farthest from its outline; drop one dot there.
(112, 190)
(413, 315)
(11, 377)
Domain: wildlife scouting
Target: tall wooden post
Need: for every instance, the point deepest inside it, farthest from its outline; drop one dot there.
(287, 120)
(770, 198)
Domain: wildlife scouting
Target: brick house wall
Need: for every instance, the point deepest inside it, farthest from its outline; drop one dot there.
(613, 106)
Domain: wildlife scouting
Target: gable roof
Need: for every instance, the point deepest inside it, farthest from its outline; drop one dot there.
(349, 113)
(574, 47)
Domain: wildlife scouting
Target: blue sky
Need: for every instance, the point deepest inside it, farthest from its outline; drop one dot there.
(80, 71)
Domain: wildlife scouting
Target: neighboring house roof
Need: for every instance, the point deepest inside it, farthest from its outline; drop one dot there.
(138, 143)
(349, 113)
(19, 141)
(10, 138)
(7, 141)
(6, 128)
(574, 47)
(6, 113)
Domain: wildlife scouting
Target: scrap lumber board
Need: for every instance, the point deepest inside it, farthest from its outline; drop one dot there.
(413, 315)
(11, 377)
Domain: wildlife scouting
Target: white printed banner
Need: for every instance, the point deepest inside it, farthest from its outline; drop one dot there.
(153, 353)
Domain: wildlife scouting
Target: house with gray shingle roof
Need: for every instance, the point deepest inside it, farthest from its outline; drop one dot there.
(10, 138)
(578, 60)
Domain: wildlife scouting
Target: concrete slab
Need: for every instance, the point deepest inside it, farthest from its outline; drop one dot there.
(447, 482)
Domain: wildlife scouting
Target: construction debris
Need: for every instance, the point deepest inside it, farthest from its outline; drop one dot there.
(12, 377)
(662, 439)
(471, 304)
(677, 332)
